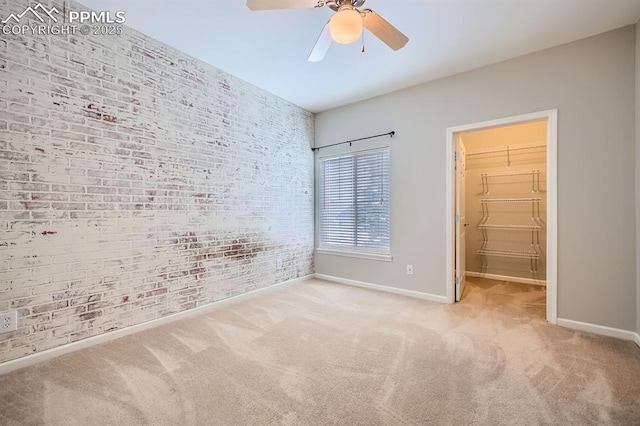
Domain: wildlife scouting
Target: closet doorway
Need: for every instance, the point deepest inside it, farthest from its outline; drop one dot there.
(502, 203)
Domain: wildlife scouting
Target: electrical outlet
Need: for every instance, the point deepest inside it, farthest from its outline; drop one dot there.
(8, 321)
(409, 269)
(279, 264)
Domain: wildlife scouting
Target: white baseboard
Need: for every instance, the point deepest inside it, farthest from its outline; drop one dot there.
(599, 329)
(39, 357)
(507, 278)
(394, 290)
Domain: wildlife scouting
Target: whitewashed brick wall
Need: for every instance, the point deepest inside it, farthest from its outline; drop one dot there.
(137, 182)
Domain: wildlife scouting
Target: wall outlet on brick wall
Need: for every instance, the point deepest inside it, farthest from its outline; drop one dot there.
(8, 321)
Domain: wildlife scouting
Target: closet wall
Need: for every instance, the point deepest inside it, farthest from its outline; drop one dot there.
(506, 201)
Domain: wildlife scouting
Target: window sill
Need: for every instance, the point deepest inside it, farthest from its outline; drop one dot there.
(359, 255)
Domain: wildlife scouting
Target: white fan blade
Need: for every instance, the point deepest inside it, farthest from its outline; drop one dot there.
(384, 30)
(322, 45)
(282, 4)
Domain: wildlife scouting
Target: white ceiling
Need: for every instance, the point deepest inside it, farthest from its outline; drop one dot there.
(269, 48)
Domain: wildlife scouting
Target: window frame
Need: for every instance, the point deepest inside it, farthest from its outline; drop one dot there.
(383, 254)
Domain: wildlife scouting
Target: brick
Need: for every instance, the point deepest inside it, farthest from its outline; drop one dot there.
(30, 167)
(16, 94)
(85, 198)
(16, 127)
(48, 86)
(66, 82)
(116, 182)
(48, 307)
(13, 156)
(117, 199)
(68, 171)
(74, 274)
(27, 71)
(100, 206)
(68, 329)
(102, 174)
(5, 175)
(84, 215)
(28, 110)
(86, 299)
(68, 136)
(66, 117)
(48, 196)
(68, 206)
(82, 180)
(50, 178)
(69, 64)
(29, 205)
(49, 214)
(116, 135)
(67, 188)
(85, 130)
(14, 116)
(20, 186)
(48, 270)
(101, 190)
(67, 313)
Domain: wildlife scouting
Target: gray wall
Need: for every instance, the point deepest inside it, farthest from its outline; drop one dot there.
(590, 82)
(637, 176)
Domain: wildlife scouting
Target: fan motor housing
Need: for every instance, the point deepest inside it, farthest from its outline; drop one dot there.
(335, 4)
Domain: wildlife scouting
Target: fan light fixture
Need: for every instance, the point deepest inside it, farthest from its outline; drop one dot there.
(346, 25)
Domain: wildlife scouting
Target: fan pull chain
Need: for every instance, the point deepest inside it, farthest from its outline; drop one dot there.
(362, 50)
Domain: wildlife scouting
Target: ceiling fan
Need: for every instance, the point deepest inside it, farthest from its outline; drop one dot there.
(344, 27)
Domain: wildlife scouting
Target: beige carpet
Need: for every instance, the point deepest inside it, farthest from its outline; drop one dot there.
(327, 354)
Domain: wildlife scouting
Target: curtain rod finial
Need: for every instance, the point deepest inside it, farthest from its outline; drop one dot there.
(393, 132)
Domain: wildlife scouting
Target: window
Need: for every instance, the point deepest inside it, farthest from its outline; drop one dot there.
(354, 202)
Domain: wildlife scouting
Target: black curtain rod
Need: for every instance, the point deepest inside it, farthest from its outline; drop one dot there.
(391, 133)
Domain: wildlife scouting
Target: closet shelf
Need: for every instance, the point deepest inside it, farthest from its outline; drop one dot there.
(534, 226)
(511, 227)
(535, 206)
(535, 178)
(510, 200)
(520, 173)
(507, 148)
(510, 253)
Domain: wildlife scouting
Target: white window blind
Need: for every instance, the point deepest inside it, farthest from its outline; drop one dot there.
(354, 202)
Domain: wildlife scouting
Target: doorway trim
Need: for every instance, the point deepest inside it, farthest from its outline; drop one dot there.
(551, 117)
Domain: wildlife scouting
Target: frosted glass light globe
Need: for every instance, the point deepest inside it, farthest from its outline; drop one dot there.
(346, 26)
